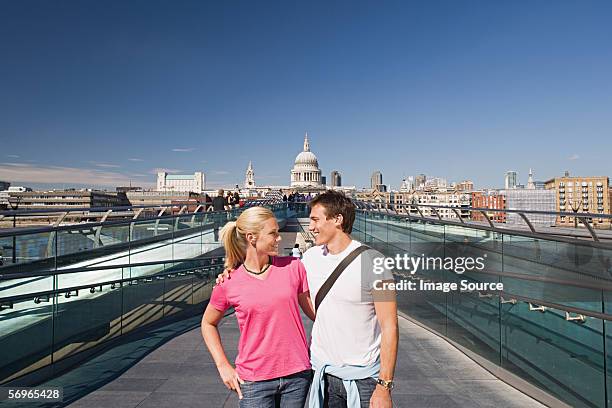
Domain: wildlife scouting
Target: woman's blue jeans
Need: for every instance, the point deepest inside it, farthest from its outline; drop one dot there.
(286, 392)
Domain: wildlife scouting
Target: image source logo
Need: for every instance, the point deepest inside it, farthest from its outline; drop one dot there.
(386, 275)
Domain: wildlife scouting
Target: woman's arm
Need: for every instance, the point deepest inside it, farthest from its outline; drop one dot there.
(210, 333)
(306, 305)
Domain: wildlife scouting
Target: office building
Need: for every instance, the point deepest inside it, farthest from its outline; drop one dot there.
(492, 199)
(195, 183)
(336, 179)
(530, 199)
(581, 195)
(38, 200)
(511, 180)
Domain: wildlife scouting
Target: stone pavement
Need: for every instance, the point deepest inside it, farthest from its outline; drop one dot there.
(430, 373)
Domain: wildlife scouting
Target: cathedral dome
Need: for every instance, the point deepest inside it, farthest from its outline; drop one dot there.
(305, 172)
(307, 158)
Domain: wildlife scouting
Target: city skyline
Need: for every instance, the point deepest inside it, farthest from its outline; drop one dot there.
(104, 93)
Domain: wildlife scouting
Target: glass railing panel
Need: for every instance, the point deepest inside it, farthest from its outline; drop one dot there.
(165, 227)
(425, 240)
(563, 353)
(76, 240)
(563, 357)
(607, 297)
(204, 279)
(37, 249)
(399, 236)
(143, 295)
(158, 248)
(88, 310)
(144, 229)
(187, 243)
(6, 250)
(358, 232)
(569, 274)
(473, 313)
(301, 209)
(178, 294)
(184, 222)
(210, 241)
(82, 246)
(107, 244)
(218, 220)
(198, 220)
(114, 234)
(26, 325)
(90, 277)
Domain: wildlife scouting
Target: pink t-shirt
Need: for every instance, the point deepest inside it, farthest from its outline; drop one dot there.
(272, 337)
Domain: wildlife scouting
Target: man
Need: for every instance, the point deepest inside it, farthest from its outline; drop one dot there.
(355, 333)
(219, 201)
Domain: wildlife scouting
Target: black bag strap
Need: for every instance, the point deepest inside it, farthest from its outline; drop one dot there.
(327, 285)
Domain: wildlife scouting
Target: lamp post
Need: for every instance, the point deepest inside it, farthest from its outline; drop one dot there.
(575, 205)
(14, 203)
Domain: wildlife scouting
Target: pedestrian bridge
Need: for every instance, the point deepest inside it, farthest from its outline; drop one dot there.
(123, 312)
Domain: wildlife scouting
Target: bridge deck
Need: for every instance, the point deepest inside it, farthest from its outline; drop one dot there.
(181, 373)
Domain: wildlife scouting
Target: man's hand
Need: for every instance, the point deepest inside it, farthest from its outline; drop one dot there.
(381, 398)
(230, 378)
(222, 276)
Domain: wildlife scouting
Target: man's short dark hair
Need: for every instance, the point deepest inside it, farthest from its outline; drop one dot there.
(336, 203)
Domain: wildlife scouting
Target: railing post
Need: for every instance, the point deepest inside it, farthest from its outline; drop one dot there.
(588, 227)
(97, 240)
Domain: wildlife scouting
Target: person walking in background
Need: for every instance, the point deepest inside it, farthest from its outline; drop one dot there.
(236, 199)
(295, 252)
(229, 201)
(291, 200)
(219, 201)
(266, 291)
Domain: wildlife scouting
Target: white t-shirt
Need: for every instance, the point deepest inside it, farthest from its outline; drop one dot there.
(346, 331)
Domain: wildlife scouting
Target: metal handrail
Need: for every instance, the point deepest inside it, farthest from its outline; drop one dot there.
(522, 233)
(559, 213)
(59, 209)
(10, 213)
(52, 272)
(492, 227)
(552, 305)
(10, 300)
(37, 230)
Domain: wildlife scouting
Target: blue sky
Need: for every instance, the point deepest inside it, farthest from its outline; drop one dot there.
(101, 93)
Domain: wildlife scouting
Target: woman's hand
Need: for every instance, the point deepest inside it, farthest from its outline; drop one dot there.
(224, 275)
(230, 378)
(306, 304)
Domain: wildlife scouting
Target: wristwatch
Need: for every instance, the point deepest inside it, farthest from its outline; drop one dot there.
(386, 384)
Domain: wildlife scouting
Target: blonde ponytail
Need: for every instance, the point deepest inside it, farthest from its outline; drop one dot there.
(233, 234)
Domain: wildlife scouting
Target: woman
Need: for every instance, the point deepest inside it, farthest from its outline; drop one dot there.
(273, 366)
